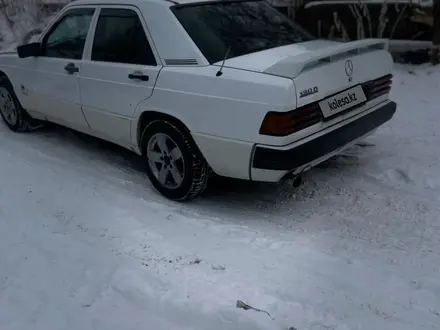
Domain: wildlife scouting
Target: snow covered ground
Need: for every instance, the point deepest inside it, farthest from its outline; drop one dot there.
(86, 243)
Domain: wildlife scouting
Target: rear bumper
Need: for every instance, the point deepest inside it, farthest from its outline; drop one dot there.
(269, 159)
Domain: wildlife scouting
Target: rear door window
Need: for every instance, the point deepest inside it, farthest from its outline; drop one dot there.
(121, 38)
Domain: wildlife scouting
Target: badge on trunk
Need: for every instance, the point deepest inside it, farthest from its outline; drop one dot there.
(349, 69)
(308, 91)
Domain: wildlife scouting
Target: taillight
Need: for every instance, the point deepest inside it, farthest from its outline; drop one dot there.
(285, 123)
(377, 87)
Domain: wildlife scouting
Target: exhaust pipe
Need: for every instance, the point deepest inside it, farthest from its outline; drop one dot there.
(297, 181)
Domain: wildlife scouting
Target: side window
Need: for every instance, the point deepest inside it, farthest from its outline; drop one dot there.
(120, 38)
(68, 36)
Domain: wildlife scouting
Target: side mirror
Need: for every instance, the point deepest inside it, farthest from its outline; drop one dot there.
(29, 50)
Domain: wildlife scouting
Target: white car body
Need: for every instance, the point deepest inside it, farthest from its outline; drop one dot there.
(223, 113)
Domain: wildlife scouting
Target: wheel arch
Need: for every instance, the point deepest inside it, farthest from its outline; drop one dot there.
(149, 116)
(4, 75)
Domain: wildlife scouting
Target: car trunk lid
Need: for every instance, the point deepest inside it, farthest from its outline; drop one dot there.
(321, 68)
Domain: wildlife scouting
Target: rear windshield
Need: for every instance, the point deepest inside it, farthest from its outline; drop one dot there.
(243, 27)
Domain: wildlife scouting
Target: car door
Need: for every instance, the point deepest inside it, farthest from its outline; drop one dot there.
(119, 73)
(54, 86)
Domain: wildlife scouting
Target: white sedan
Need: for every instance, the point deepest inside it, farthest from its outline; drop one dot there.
(226, 87)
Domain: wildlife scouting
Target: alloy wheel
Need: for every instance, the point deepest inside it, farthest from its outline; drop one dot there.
(166, 161)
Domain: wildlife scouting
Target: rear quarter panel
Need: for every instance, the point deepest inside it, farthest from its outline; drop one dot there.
(230, 106)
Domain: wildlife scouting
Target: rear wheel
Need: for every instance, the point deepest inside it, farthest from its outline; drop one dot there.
(14, 116)
(175, 166)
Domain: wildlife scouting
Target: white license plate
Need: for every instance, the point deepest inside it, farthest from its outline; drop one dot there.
(342, 101)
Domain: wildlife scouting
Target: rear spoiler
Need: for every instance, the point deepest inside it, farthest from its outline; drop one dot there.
(296, 64)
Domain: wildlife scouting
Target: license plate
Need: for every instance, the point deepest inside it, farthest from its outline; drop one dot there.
(342, 101)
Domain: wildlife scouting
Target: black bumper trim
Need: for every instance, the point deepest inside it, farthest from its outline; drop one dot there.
(286, 160)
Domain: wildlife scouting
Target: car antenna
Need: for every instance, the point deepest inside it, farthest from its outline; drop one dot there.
(219, 72)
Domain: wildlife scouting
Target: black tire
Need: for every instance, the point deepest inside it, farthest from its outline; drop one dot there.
(195, 177)
(23, 122)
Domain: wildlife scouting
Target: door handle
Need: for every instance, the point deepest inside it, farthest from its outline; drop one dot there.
(71, 68)
(137, 75)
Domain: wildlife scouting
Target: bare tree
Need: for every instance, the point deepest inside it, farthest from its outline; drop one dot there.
(4, 6)
(435, 53)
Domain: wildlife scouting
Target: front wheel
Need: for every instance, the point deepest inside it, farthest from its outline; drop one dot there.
(174, 164)
(14, 116)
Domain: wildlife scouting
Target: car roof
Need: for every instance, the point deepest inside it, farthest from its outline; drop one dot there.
(137, 2)
(116, 2)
